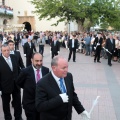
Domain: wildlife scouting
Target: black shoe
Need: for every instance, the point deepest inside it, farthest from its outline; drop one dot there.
(98, 61)
(94, 61)
(74, 61)
(68, 60)
(110, 64)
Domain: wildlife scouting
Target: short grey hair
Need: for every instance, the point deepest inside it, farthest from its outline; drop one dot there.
(54, 61)
(4, 45)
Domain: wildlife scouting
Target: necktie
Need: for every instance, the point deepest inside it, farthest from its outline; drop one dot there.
(10, 65)
(38, 75)
(62, 87)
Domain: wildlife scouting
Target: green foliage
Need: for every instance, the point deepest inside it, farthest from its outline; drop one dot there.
(6, 15)
(95, 11)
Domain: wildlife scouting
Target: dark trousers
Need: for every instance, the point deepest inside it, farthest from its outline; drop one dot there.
(109, 58)
(28, 61)
(54, 54)
(41, 49)
(32, 115)
(97, 54)
(6, 97)
(17, 46)
(74, 54)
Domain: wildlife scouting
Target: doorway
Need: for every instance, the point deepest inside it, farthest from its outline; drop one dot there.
(27, 26)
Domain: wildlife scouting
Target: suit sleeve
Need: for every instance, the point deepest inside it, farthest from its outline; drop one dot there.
(21, 79)
(0, 82)
(76, 102)
(106, 45)
(21, 61)
(25, 48)
(34, 48)
(42, 103)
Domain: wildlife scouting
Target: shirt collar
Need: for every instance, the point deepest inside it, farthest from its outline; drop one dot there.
(12, 52)
(55, 77)
(6, 58)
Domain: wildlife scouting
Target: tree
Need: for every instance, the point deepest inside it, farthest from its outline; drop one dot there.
(94, 11)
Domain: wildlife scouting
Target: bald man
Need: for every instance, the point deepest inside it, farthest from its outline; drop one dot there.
(55, 94)
(27, 80)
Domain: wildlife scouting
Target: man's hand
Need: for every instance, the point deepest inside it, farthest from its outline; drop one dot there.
(24, 55)
(64, 97)
(0, 92)
(85, 115)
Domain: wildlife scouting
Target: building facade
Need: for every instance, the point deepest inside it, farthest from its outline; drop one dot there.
(17, 15)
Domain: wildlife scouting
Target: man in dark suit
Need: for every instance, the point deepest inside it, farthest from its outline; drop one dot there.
(97, 46)
(55, 46)
(110, 46)
(55, 94)
(27, 80)
(72, 45)
(17, 54)
(29, 48)
(8, 87)
(17, 40)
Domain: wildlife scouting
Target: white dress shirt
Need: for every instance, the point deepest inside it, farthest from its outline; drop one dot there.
(58, 80)
(12, 52)
(73, 43)
(35, 72)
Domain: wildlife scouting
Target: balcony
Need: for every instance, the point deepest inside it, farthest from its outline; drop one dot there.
(6, 11)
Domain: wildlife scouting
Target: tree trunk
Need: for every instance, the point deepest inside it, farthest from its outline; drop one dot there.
(80, 25)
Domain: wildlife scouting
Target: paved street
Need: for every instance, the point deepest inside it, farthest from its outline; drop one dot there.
(91, 80)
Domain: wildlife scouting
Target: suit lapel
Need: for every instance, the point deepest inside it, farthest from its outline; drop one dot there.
(67, 85)
(32, 74)
(53, 84)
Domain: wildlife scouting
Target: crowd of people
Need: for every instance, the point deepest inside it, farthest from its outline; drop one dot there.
(47, 95)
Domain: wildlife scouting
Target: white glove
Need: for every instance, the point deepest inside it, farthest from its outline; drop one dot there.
(50, 52)
(0, 92)
(24, 55)
(94, 48)
(85, 115)
(58, 52)
(68, 48)
(106, 49)
(64, 97)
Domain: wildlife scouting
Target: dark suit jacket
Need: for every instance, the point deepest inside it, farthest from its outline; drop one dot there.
(110, 46)
(8, 77)
(29, 51)
(17, 39)
(19, 60)
(55, 48)
(26, 80)
(100, 41)
(75, 44)
(50, 104)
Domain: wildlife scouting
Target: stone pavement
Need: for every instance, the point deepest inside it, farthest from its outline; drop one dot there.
(91, 80)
